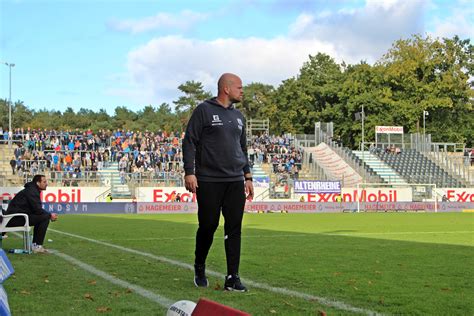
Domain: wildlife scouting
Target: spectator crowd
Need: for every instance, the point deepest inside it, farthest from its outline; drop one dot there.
(279, 151)
(71, 155)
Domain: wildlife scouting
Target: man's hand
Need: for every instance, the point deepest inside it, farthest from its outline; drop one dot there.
(249, 189)
(191, 183)
(54, 217)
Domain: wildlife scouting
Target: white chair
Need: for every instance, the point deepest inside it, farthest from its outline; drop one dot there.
(25, 229)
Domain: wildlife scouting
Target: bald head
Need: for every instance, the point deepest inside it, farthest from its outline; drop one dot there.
(225, 80)
(229, 89)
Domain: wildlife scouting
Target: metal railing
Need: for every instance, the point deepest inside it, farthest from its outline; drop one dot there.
(102, 178)
(456, 169)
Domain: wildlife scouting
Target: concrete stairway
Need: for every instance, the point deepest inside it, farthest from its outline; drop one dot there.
(380, 167)
(7, 178)
(110, 176)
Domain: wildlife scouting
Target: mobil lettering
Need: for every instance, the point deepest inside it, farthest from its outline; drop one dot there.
(60, 196)
(363, 196)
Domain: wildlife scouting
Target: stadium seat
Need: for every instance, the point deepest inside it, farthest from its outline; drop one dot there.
(25, 229)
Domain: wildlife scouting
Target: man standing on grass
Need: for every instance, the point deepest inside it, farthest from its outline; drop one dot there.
(217, 170)
(28, 201)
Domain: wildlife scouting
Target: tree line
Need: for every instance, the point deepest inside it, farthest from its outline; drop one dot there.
(415, 75)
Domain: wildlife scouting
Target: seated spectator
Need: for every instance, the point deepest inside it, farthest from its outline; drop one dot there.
(28, 201)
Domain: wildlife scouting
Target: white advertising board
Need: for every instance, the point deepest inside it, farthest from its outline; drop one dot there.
(163, 194)
(389, 129)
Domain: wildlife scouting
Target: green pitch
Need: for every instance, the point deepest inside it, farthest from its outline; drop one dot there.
(294, 264)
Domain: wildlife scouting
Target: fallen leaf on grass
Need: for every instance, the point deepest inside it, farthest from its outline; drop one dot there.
(115, 293)
(272, 311)
(103, 309)
(46, 281)
(218, 286)
(377, 272)
(92, 282)
(88, 296)
(128, 291)
(337, 273)
(25, 292)
(321, 313)
(288, 303)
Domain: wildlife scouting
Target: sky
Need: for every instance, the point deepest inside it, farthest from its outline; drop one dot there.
(101, 54)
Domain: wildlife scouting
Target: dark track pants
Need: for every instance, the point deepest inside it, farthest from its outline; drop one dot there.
(212, 197)
(40, 223)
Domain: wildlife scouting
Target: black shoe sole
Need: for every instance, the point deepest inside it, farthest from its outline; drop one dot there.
(227, 288)
(207, 284)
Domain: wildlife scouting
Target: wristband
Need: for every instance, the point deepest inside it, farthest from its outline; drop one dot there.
(249, 179)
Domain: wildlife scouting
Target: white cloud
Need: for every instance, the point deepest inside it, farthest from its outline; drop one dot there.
(183, 20)
(158, 67)
(164, 63)
(459, 23)
(364, 33)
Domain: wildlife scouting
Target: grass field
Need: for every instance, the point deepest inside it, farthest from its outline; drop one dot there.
(293, 264)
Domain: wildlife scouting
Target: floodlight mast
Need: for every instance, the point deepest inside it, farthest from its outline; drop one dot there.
(10, 132)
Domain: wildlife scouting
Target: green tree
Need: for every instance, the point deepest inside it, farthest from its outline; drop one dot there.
(362, 86)
(298, 102)
(101, 121)
(4, 114)
(21, 115)
(125, 119)
(256, 98)
(168, 120)
(193, 95)
(432, 75)
(44, 119)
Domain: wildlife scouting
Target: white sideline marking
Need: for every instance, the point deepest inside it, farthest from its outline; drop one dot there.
(294, 235)
(163, 301)
(399, 233)
(322, 300)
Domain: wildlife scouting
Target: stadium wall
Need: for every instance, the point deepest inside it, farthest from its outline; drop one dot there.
(164, 194)
(252, 207)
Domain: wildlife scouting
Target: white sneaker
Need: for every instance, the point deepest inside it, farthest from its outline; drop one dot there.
(39, 249)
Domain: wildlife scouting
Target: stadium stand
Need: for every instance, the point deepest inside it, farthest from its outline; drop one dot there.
(70, 157)
(414, 167)
(388, 174)
(336, 167)
(126, 159)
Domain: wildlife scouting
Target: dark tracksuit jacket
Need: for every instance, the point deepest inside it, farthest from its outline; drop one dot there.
(28, 201)
(215, 144)
(215, 151)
